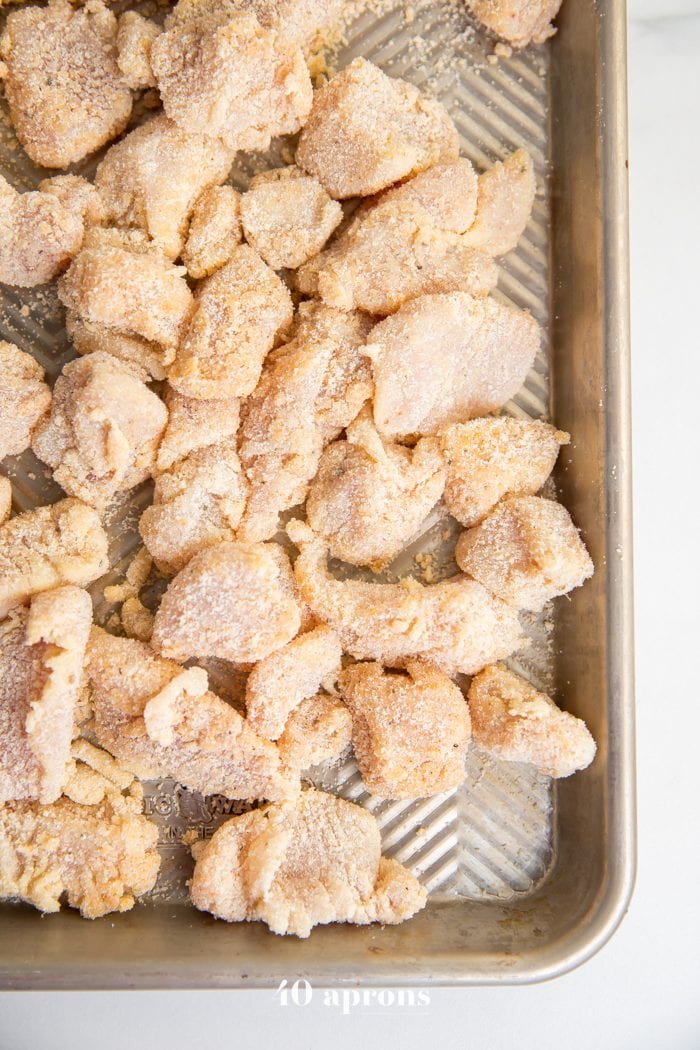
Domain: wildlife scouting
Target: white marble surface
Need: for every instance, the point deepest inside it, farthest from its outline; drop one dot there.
(642, 992)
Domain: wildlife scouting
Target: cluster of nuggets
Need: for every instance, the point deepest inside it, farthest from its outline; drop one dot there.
(325, 338)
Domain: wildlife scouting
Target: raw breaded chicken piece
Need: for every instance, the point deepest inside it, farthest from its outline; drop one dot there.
(41, 661)
(279, 683)
(5, 499)
(520, 22)
(369, 496)
(197, 503)
(162, 720)
(455, 624)
(310, 389)
(505, 199)
(235, 601)
(487, 459)
(240, 312)
(410, 730)
(287, 216)
(102, 857)
(526, 552)
(103, 431)
(302, 22)
(142, 355)
(220, 72)
(409, 242)
(516, 723)
(444, 359)
(47, 547)
(41, 231)
(153, 178)
(66, 93)
(24, 399)
(296, 865)
(318, 730)
(135, 36)
(120, 284)
(366, 131)
(195, 424)
(214, 231)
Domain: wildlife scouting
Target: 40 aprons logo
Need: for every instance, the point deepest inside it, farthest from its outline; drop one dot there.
(301, 993)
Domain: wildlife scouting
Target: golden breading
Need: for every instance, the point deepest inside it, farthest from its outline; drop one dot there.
(135, 36)
(526, 552)
(455, 624)
(520, 22)
(443, 359)
(310, 389)
(161, 720)
(41, 661)
(506, 196)
(370, 496)
(41, 231)
(152, 179)
(221, 73)
(301, 22)
(241, 311)
(409, 242)
(66, 93)
(318, 730)
(5, 499)
(279, 683)
(287, 216)
(366, 131)
(47, 547)
(194, 424)
(102, 857)
(215, 230)
(410, 731)
(24, 399)
(119, 283)
(103, 431)
(300, 864)
(197, 503)
(487, 459)
(235, 601)
(514, 722)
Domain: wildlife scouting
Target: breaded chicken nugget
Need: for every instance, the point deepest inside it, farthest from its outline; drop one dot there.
(318, 730)
(220, 72)
(153, 178)
(410, 241)
(279, 682)
(487, 459)
(516, 723)
(161, 720)
(235, 601)
(444, 359)
(24, 399)
(66, 93)
(520, 22)
(455, 624)
(366, 131)
(215, 230)
(103, 431)
(410, 731)
(299, 864)
(240, 312)
(41, 662)
(370, 496)
(526, 552)
(47, 547)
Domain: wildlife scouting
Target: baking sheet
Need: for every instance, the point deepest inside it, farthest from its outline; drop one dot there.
(495, 840)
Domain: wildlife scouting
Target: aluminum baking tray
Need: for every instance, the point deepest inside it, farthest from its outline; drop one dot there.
(526, 879)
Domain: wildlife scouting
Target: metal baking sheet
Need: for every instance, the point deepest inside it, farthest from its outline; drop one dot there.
(525, 879)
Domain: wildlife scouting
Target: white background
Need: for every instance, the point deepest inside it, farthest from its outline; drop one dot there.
(642, 991)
